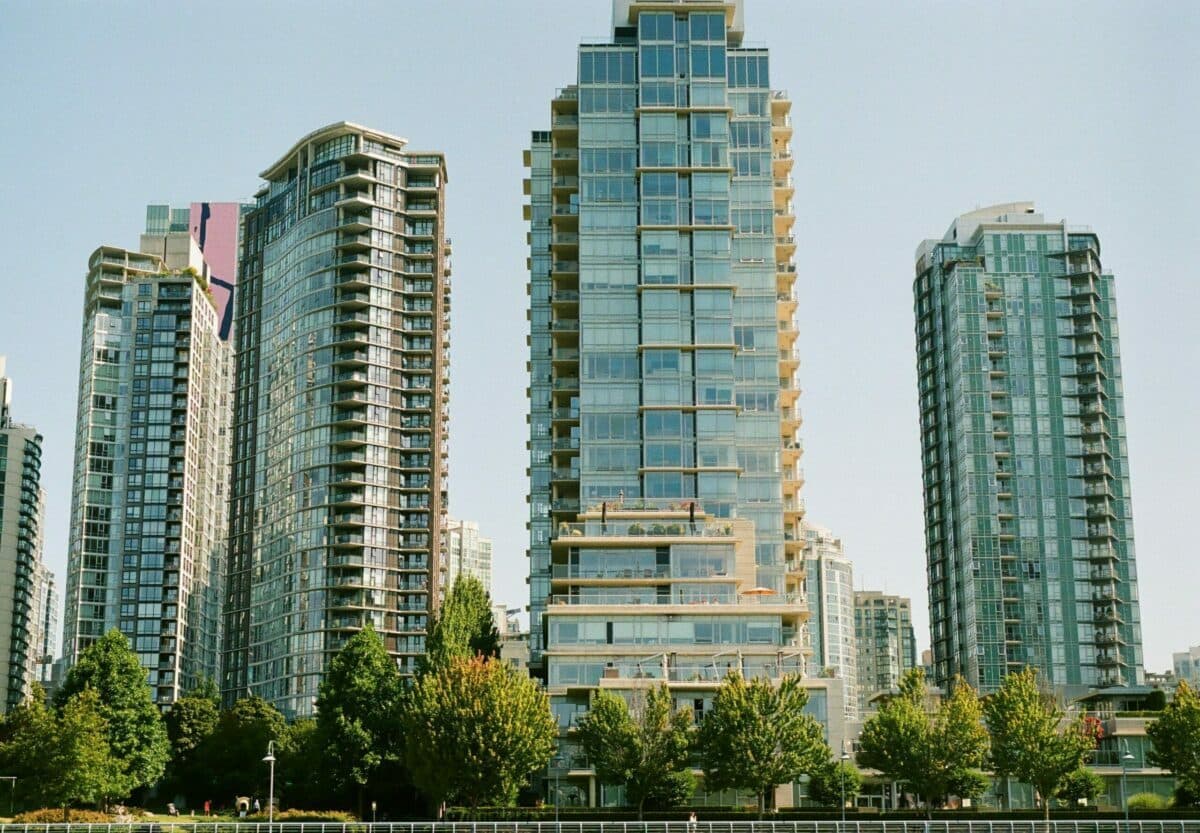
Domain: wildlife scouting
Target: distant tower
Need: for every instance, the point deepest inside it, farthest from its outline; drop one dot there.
(23, 575)
(886, 646)
(149, 504)
(830, 583)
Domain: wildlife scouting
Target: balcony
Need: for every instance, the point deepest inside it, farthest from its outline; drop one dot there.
(635, 529)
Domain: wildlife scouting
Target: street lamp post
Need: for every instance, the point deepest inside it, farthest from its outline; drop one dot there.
(1126, 760)
(270, 760)
(842, 781)
(558, 760)
(374, 807)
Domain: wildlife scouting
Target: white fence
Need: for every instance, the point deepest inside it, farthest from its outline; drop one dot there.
(1107, 825)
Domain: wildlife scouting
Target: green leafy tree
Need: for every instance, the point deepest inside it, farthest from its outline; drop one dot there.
(937, 751)
(234, 751)
(646, 748)
(475, 730)
(190, 722)
(1032, 740)
(832, 781)
(464, 626)
(302, 772)
(59, 760)
(757, 736)
(27, 746)
(83, 768)
(1176, 738)
(134, 726)
(357, 710)
(1080, 785)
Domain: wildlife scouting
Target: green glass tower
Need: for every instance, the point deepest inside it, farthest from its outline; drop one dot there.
(1028, 525)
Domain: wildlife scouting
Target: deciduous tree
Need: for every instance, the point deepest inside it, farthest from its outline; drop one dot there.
(190, 722)
(463, 627)
(1032, 739)
(757, 736)
(1080, 785)
(133, 724)
(834, 782)
(936, 751)
(357, 712)
(60, 760)
(234, 751)
(1176, 738)
(647, 748)
(475, 730)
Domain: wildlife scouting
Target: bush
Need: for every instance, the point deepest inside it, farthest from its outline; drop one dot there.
(54, 815)
(305, 815)
(1146, 801)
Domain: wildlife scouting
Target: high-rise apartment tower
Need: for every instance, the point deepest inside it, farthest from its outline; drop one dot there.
(886, 646)
(664, 522)
(23, 575)
(829, 577)
(1028, 526)
(468, 553)
(340, 425)
(148, 508)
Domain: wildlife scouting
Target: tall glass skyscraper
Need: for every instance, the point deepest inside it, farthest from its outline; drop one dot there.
(1028, 525)
(148, 508)
(23, 574)
(340, 424)
(664, 522)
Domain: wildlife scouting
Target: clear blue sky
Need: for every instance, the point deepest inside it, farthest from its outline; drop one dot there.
(906, 115)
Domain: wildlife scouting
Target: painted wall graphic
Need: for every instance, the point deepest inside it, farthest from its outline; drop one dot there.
(214, 227)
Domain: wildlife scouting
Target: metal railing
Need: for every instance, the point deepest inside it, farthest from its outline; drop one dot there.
(1107, 825)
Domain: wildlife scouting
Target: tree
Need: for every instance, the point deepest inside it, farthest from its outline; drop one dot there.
(357, 710)
(1080, 785)
(757, 736)
(937, 752)
(646, 748)
(27, 743)
(1032, 740)
(234, 751)
(464, 626)
(134, 726)
(83, 768)
(475, 730)
(60, 760)
(833, 782)
(190, 723)
(1176, 738)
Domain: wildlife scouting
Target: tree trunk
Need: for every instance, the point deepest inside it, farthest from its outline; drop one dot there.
(641, 804)
(360, 803)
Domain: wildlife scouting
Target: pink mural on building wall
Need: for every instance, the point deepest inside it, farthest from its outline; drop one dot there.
(214, 227)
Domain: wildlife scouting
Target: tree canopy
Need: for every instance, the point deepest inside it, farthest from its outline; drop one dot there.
(463, 627)
(60, 760)
(190, 723)
(234, 751)
(133, 724)
(1176, 738)
(357, 714)
(646, 748)
(835, 782)
(757, 736)
(936, 751)
(475, 730)
(1032, 740)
